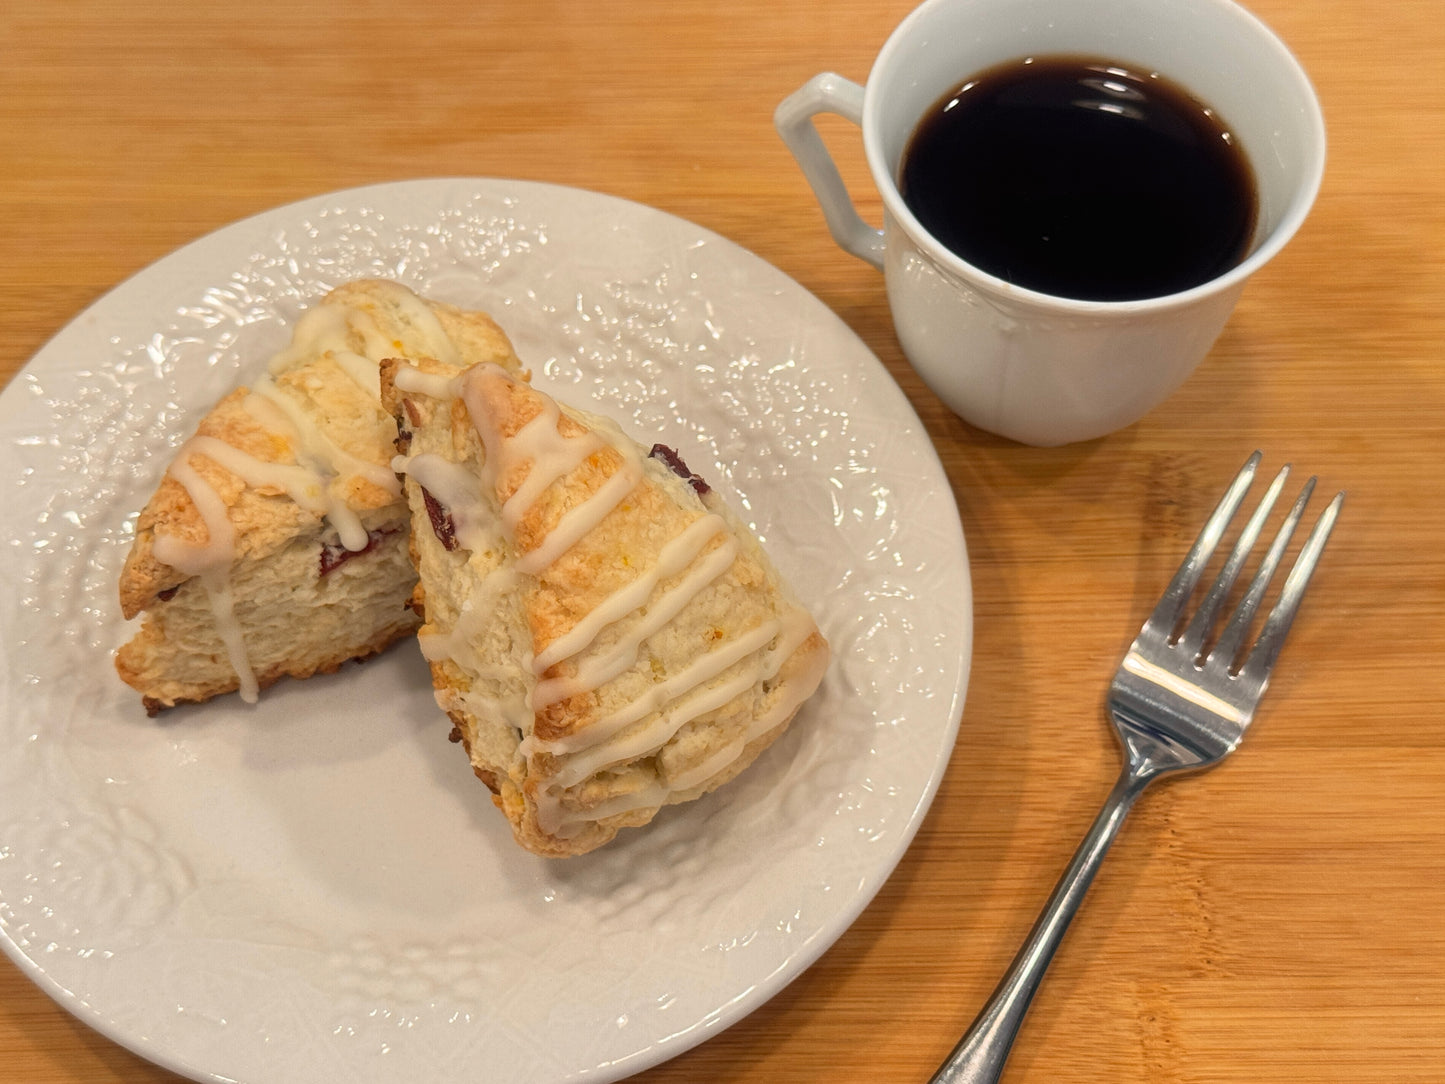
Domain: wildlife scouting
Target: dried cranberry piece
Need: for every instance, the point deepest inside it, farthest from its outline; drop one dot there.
(334, 554)
(441, 521)
(674, 463)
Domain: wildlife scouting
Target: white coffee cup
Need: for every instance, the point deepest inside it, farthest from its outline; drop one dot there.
(1036, 368)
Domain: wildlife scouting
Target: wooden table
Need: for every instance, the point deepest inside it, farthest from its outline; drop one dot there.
(1281, 918)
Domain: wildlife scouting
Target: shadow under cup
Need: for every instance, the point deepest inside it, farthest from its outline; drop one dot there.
(1046, 370)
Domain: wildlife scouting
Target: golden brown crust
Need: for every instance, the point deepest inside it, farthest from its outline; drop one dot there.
(313, 405)
(262, 516)
(583, 726)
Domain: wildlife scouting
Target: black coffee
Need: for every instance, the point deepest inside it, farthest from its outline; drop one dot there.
(1075, 177)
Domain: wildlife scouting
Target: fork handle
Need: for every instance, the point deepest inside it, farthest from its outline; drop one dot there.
(980, 1055)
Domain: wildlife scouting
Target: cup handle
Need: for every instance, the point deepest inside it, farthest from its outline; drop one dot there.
(828, 93)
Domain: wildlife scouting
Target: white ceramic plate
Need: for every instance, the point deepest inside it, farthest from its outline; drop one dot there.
(316, 888)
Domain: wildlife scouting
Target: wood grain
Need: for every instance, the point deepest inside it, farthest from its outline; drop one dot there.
(1281, 918)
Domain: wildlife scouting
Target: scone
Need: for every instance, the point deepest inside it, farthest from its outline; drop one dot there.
(276, 543)
(605, 634)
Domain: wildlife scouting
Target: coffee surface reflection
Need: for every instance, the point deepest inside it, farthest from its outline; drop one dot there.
(1081, 178)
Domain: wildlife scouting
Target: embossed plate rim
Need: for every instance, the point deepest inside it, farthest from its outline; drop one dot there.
(800, 386)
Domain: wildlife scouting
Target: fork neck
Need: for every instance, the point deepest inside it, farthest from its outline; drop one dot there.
(980, 1055)
(1147, 757)
(1134, 776)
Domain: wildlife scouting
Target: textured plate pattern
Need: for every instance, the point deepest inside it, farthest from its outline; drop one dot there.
(316, 889)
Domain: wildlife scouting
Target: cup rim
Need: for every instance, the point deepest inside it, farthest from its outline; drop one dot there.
(1289, 223)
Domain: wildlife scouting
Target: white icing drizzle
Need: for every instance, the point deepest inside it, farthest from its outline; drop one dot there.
(211, 563)
(557, 819)
(456, 489)
(679, 697)
(766, 721)
(433, 385)
(305, 486)
(327, 329)
(317, 481)
(650, 796)
(551, 461)
(315, 445)
(655, 735)
(421, 319)
(477, 615)
(674, 558)
(577, 522)
(685, 564)
(218, 550)
(511, 709)
(596, 671)
(217, 583)
(549, 455)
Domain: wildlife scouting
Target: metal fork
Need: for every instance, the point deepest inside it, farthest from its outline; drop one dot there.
(1181, 700)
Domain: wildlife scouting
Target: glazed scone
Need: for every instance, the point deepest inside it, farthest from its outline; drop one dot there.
(277, 542)
(605, 634)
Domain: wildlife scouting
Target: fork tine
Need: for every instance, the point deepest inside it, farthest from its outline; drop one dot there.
(1267, 647)
(1165, 617)
(1230, 641)
(1203, 621)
